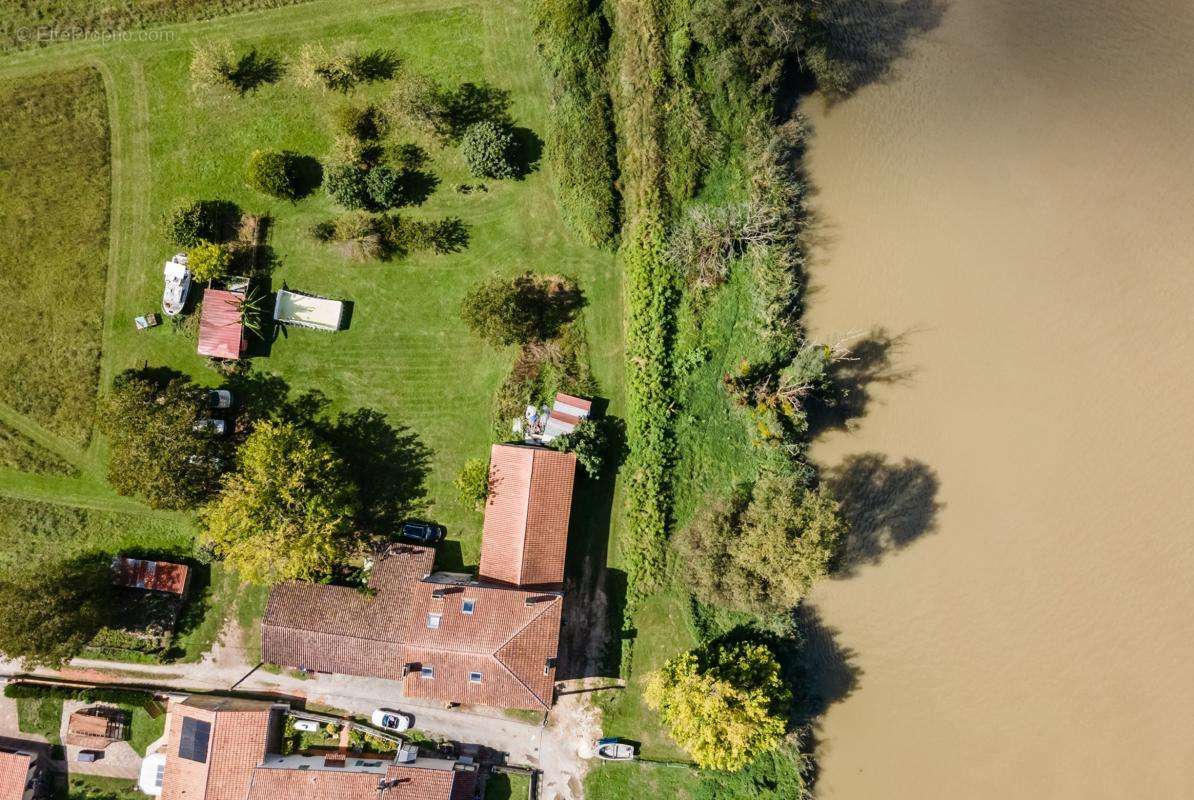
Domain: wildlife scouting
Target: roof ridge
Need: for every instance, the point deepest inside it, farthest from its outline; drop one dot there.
(391, 640)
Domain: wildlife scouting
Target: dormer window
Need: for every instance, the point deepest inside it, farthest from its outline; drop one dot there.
(433, 620)
(468, 606)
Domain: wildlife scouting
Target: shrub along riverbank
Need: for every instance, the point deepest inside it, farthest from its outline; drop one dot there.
(713, 213)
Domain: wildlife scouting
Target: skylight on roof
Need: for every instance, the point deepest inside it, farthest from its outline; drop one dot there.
(468, 606)
(433, 620)
(427, 672)
(474, 677)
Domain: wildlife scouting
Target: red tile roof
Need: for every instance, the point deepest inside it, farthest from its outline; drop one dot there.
(14, 774)
(236, 767)
(403, 783)
(156, 576)
(341, 630)
(221, 334)
(526, 515)
(237, 744)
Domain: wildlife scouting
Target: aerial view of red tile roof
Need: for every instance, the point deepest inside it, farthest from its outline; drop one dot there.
(218, 749)
(221, 334)
(14, 774)
(155, 576)
(213, 747)
(526, 515)
(483, 644)
(401, 783)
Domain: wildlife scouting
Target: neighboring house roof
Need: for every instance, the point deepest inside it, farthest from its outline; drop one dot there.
(14, 774)
(156, 576)
(402, 783)
(221, 334)
(525, 534)
(511, 636)
(214, 744)
(218, 749)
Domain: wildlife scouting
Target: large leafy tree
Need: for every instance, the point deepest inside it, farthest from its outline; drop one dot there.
(52, 610)
(288, 512)
(521, 309)
(725, 704)
(154, 451)
(762, 549)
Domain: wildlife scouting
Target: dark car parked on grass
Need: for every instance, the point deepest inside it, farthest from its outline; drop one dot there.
(423, 532)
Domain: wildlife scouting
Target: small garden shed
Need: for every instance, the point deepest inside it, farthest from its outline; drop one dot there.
(221, 328)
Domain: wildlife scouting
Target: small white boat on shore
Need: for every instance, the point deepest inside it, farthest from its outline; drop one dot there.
(178, 285)
(613, 750)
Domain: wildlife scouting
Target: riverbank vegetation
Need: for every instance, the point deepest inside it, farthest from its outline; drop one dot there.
(720, 374)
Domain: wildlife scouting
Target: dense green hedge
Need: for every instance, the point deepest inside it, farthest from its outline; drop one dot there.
(132, 697)
(573, 42)
(652, 292)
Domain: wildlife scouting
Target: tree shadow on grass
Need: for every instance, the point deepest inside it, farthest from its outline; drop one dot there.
(388, 463)
(253, 70)
(308, 176)
(375, 65)
(528, 150)
(887, 505)
(471, 103)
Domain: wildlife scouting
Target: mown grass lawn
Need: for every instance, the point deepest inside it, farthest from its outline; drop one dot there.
(97, 787)
(637, 779)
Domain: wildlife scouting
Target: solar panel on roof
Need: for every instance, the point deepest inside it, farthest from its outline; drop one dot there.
(192, 745)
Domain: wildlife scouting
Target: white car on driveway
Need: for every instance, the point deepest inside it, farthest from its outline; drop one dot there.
(392, 720)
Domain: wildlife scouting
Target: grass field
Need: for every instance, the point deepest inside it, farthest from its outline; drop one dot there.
(31, 23)
(97, 787)
(19, 452)
(639, 779)
(54, 194)
(507, 786)
(41, 715)
(405, 354)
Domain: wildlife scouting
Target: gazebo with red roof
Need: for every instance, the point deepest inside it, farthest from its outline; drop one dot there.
(221, 331)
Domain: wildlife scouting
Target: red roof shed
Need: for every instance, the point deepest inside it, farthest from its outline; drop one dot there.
(221, 334)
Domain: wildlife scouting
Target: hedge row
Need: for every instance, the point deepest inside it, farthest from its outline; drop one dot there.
(573, 42)
(652, 294)
(132, 697)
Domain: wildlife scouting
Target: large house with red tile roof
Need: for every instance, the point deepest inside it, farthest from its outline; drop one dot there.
(22, 771)
(491, 640)
(227, 749)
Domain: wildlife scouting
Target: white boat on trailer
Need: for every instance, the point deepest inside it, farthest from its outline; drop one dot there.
(613, 750)
(178, 285)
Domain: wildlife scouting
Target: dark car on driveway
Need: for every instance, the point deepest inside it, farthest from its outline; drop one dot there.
(423, 532)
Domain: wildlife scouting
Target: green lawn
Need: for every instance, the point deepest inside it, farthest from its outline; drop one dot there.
(42, 715)
(96, 787)
(405, 354)
(636, 780)
(507, 786)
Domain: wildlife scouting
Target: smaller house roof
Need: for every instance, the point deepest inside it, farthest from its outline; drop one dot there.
(221, 334)
(14, 774)
(153, 576)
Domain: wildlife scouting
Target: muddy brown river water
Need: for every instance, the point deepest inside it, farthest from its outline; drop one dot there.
(1008, 211)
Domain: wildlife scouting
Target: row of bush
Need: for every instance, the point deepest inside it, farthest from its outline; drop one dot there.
(573, 42)
(24, 691)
